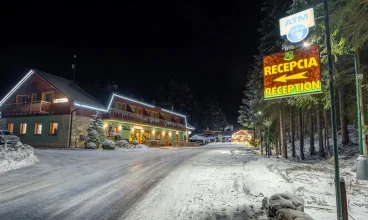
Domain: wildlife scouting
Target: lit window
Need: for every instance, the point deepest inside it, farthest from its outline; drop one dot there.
(158, 135)
(11, 127)
(148, 134)
(23, 128)
(38, 128)
(53, 128)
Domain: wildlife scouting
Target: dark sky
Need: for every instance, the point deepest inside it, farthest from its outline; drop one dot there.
(139, 45)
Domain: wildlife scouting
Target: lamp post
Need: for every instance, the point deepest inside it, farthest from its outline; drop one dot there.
(362, 169)
(268, 123)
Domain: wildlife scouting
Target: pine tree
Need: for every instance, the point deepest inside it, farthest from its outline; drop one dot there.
(95, 134)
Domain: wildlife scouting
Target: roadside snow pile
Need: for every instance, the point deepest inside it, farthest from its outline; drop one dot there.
(284, 201)
(108, 145)
(15, 157)
(122, 143)
(243, 151)
(142, 147)
(291, 214)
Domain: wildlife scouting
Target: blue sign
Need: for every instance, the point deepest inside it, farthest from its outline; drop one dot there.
(297, 33)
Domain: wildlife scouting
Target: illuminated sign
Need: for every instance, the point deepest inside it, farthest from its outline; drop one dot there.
(296, 26)
(60, 100)
(137, 127)
(292, 73)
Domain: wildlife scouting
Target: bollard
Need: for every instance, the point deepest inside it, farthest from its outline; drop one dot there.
(344, 199)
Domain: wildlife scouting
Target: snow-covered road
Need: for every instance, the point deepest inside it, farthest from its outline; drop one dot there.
(86, 184)
(219, 181)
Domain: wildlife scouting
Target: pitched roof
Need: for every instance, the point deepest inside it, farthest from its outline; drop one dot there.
(71, 89)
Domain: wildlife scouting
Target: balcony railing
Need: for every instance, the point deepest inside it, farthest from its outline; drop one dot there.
(142, 119)
(39, 107)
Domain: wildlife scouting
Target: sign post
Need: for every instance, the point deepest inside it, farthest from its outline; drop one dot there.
(292, 73)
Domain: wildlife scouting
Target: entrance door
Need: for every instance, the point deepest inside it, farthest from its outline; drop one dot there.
(138, 135)
(166, 139)
(177, 139)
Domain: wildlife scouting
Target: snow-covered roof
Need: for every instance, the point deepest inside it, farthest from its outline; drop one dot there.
(70, 89)
(82, 95)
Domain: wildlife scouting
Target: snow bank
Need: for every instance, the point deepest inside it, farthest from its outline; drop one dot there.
(122, 143)
(142, 147)
(284, 200)
(15, 157)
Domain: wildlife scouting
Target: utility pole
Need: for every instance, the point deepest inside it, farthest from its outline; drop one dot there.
(333, 112)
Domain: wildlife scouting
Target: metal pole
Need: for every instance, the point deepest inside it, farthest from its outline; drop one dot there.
(358, 105)
(362, 169)
(75, 66)
(333, 113)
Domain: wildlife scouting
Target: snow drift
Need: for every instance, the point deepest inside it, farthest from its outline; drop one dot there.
(15, 157)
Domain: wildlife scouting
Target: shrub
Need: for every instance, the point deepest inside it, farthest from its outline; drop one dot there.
(122, 143)
(134, 142)
(108, 145)
(117, 137)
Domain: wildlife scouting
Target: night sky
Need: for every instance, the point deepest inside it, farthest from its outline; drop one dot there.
(139, 45)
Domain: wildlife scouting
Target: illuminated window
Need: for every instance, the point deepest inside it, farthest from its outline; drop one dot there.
(21, 99)
(53, 128)
(47, 96)
(38, 128)
(158, 135)
(148, 134)
(11, 127)
(23, 128)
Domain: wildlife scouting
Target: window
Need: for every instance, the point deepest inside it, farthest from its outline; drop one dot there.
(53, 128)
(147, 134)
(136, 110)
(158, 135)
(21, 99)
(11, 127)
(153, 114)
(47, 96)
(120, 106)
(23, 128)
(38, 128)
(34, 97)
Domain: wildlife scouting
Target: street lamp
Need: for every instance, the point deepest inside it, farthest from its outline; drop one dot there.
(362, 169)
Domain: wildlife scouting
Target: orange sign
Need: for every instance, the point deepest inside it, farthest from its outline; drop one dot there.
(292, 73)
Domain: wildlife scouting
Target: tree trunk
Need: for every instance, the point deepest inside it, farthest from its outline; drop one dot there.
(292, 133)
(277, 147)
(282, 134)
(365, 145)
(260, 139)
(343, 120)
(327, 138)
(311, 133)
(284, 138)
(300, 128)
(321, 150)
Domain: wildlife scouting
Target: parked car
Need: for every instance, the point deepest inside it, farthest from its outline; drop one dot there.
(202, 140)
(8, 137)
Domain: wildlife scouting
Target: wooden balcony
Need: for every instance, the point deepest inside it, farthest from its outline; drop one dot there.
(39, 107)
(142, 119)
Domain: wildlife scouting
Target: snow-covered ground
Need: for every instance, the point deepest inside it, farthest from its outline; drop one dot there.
(219, 184)
(12, 158)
